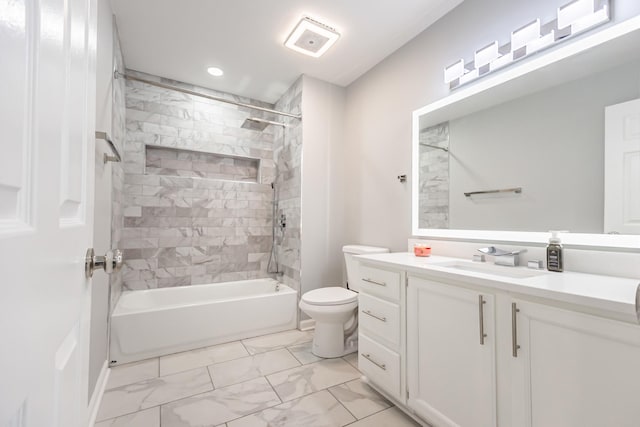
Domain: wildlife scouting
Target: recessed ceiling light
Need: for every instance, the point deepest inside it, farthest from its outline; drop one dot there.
(311, 37)
(215, 71)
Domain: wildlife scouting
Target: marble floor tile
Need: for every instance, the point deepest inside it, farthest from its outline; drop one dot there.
(277, 341)
(147, 418)
(221, 405)
(201, 357)
(352, 359)
(303, 353)
(360, 399)
(392, 417)
(146, 394)
(247, 368)
(132, 373)
(307, 379)
(319, 409)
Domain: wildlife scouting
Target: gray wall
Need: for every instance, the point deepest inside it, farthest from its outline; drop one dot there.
(322, 168)
(551, 144)
(379, 106)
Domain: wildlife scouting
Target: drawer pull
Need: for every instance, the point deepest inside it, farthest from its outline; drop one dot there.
(379, 365)
(481, 303)
(514, 330)
(374, 282)
(369, 313)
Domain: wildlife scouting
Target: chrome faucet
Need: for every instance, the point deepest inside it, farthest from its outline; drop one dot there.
(502, 257)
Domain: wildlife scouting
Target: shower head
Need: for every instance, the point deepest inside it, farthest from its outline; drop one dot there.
(255, 123)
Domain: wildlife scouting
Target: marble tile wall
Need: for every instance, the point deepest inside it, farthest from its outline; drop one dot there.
(434, 178)
(288, 158)
(118, 132)
(185, 230)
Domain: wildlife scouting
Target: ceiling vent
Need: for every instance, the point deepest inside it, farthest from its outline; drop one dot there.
(311, 37)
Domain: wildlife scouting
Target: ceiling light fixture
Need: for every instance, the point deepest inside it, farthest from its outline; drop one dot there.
(215, 71)
(311, 37)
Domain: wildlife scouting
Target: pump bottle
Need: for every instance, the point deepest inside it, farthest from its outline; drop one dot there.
(554, 253)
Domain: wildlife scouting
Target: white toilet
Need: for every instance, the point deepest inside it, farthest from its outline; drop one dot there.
(335, 309)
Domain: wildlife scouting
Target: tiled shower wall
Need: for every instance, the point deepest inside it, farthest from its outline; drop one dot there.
(434, 177)
(118, 131)
(194, 228)
(288, 156)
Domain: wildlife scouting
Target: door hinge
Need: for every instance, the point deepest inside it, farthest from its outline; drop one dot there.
(407, 394)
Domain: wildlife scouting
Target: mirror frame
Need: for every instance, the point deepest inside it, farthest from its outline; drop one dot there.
(526, 77)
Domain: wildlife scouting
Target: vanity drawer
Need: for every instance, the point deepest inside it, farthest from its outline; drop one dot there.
(380, 319)
(380, 282)
(379, 364)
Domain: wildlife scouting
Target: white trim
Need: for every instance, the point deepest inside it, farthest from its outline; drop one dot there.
(307, 325)
(98, 392)
(566, 51)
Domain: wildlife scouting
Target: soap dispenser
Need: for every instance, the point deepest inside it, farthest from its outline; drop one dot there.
(554, 253)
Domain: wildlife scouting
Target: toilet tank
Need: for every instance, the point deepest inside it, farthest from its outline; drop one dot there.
(352, 264)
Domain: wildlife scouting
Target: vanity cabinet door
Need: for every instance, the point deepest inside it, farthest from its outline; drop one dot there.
(451, 374)
(572, 369)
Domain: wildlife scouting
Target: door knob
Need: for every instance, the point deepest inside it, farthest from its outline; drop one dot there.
(110, 262)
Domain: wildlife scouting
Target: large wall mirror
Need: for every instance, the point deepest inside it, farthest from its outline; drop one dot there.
(552, 143)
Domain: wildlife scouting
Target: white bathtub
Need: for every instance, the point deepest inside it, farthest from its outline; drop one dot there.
(156, 322)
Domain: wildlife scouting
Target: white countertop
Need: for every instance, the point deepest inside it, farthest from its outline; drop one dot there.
(613, 297)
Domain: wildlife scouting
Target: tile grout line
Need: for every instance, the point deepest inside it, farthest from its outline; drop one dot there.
(127, 414)
(263, 409)
(342, 404)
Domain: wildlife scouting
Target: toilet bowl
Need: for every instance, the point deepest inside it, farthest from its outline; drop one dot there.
(335, 309)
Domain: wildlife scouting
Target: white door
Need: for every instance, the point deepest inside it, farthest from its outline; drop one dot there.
(622, 168)
(451, 370)
(47, 81)
(573, 370)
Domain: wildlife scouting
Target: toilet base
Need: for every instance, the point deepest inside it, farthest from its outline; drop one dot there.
(329, 341)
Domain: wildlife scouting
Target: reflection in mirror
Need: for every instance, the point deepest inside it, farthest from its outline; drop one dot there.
(551, 144)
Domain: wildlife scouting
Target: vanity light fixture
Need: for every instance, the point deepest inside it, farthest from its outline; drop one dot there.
(574, 12)
(454, 71)
(215, 71)
(574, 17)
(311, 37)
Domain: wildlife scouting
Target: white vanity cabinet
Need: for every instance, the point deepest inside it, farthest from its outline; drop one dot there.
(454, 347)
(381, 329)
(451, 346)
(571, 369)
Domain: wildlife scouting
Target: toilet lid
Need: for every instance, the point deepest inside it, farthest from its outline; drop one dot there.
(330, 296)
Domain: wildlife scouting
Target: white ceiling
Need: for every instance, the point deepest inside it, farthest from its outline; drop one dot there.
(179, 39)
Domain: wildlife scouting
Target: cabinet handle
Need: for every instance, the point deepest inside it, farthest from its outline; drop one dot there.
(369, 313)
(514, 329)
(379, 365)
(481, 303)
(374, 282)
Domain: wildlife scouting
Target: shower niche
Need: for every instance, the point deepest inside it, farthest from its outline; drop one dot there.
(178, 162)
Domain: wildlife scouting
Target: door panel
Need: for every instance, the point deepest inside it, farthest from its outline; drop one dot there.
(17, 83)
(622, 168)
(452, 376)
(46, 167)
(574, 370)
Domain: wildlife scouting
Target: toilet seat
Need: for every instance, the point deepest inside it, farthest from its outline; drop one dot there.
(334, 295)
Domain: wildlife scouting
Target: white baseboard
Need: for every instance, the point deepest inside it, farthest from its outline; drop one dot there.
(307, 324)
(98, 392)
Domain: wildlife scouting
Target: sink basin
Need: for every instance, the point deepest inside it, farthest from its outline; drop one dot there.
(495, 270)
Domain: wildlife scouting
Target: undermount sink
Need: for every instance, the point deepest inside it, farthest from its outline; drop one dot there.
(496, 270)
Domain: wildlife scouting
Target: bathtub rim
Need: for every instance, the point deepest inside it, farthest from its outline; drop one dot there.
(119, 311)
